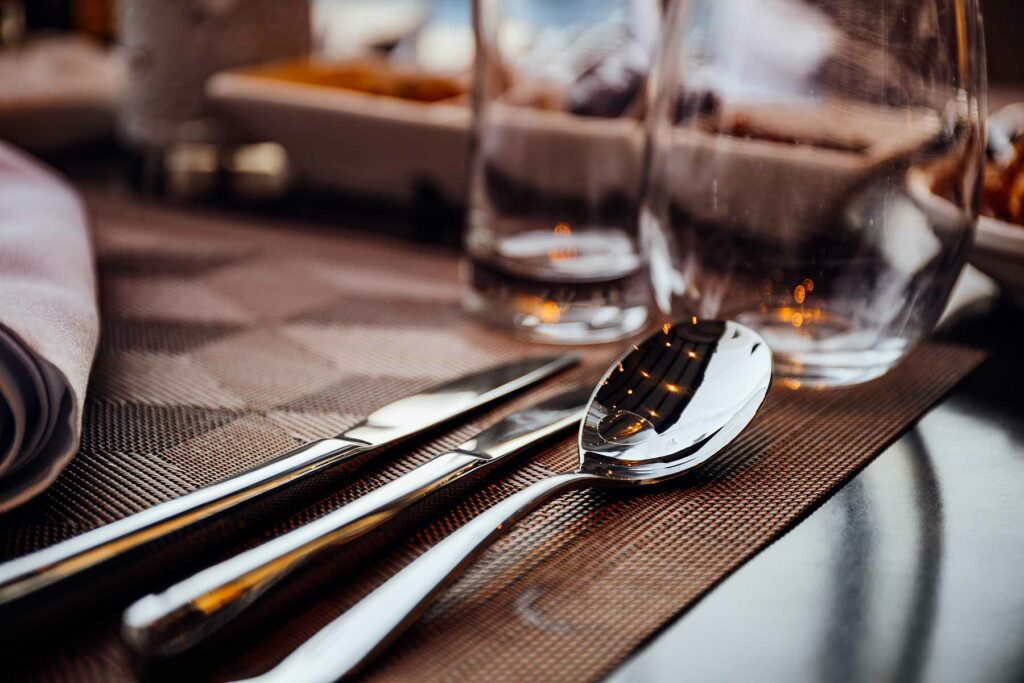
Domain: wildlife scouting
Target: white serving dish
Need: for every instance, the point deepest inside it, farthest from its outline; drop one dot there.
(364, 143)
(389, 147)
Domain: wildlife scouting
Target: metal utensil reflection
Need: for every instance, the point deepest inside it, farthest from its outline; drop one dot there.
(188, 612)
(663, 410)
(28, 576)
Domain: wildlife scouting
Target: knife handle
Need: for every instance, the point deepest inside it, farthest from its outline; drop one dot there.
(44, 568)
(168, 623)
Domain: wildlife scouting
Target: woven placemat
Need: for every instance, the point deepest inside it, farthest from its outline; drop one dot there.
(228, 341)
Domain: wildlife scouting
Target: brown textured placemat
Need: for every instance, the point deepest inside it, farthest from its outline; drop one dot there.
(226, 343)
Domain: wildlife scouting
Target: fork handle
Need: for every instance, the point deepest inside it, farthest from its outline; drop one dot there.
(167, 623)
(371, 624)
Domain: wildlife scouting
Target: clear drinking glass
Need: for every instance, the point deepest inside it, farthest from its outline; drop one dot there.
(552, 239)
(813, 172)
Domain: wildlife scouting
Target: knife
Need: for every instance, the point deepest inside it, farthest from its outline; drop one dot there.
(171, 622)
(30, 574)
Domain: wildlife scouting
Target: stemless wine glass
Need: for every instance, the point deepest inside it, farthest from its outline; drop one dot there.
(813, 172)
(552, 239)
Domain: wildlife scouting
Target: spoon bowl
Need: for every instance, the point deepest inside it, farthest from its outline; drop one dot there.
(674, 401)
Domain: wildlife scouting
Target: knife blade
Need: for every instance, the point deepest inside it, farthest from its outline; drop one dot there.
(187, 613)
(30, 574)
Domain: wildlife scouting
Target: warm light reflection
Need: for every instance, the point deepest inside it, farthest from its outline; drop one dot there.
(673, 389)
(691, 354)
(652, 412)
(550, 312)
(633, 428)
(666, 327)
(799, 294)
(793, 384)
(693, 320)
(808, 284)
(645, 374)
(799, 318)
(629, 392)
(562, 252)
(668, 345)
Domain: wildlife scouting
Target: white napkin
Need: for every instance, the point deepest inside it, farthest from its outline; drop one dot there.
(49, 325)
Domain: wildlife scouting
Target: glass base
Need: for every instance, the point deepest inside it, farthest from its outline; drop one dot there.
(828, 353)
(797, 374)
(546, 322)
(549, 305)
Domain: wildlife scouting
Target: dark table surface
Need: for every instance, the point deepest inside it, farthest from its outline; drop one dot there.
(913, 571)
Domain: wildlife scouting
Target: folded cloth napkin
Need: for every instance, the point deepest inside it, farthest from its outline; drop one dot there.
(49, 325)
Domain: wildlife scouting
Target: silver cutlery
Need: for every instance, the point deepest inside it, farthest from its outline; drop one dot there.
(663, 410)
(30, 574)
(180, 617)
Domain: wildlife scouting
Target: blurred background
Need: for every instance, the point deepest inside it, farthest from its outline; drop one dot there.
(164, 98)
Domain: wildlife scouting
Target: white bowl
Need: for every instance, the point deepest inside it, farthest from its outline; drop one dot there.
(999, 246)
(999, 252)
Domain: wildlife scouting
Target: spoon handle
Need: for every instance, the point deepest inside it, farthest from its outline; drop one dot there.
(371, 624)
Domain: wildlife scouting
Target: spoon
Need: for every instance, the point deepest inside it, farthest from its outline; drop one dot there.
(664, 409)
